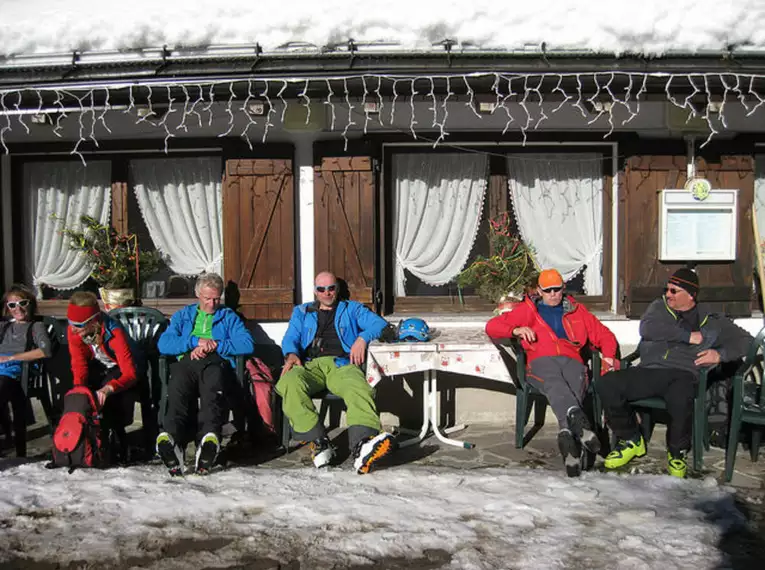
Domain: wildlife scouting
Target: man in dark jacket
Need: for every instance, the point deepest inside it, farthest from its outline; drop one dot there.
(678, 339)
(553, 329)
(206, 336)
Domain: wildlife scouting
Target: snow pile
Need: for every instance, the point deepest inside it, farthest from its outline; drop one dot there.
(479, 519)
(651, 27)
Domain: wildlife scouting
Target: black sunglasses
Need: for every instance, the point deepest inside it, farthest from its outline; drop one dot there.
(13, 304)
(552, 289)
(672, 290)
(328, 288)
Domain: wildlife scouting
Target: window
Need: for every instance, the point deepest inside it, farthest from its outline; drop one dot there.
(440, 204)
(172, 204)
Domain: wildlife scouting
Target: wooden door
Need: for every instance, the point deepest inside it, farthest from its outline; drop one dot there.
(258, 236)
(345, 222)
(726, 285)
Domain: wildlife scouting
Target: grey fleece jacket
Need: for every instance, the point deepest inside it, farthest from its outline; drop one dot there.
(664, 343)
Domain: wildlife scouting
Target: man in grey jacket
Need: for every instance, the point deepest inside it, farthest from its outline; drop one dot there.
(678, 338)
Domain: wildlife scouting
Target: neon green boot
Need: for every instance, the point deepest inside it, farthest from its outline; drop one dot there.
(624, 452)
(677, 465)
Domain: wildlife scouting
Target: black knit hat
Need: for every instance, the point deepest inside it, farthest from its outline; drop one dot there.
(686, 279)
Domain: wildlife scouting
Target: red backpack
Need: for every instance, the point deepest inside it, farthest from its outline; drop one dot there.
(77, 439)
(261, 389)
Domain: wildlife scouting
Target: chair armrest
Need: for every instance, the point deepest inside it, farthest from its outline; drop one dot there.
(241, 359)
(629, 359)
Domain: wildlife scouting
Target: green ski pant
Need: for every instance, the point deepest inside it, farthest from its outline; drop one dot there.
(301, 382)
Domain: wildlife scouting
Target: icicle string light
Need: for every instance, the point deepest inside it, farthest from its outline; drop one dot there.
(600, 98)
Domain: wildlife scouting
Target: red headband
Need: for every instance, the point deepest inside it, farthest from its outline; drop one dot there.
(79, 315)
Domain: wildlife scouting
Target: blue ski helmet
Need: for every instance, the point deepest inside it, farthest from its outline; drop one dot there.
(414, 329)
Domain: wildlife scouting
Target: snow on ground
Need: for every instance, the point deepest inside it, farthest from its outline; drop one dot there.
(650, 26)
(477, 519)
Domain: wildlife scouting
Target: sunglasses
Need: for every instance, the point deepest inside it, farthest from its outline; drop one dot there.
(328, 288)
(672, 290)
(13, 304)
(552, 290)
(83, 324)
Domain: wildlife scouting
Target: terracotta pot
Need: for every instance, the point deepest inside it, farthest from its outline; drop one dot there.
(116, 298)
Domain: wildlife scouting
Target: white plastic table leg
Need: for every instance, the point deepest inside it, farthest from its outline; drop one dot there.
(425, 414)
(434, 419)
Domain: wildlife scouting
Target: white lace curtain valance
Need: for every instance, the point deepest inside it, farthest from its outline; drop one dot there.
(438, 204)
(180, 200)
(59, 194)
(558, 203)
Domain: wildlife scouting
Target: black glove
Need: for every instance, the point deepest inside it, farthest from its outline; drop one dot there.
(390, 333)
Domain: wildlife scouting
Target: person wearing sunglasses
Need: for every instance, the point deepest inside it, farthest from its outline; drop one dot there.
(678, 337)
(22, 339)
(206, 336)
(324, 347)
(105, 359)
(553, 329)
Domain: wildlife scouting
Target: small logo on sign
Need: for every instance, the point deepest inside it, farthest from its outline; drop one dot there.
(699, 188)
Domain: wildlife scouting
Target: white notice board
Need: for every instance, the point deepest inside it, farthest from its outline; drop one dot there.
(698, 230)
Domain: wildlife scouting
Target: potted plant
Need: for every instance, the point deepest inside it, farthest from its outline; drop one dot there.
(508, 273)
(116, 261)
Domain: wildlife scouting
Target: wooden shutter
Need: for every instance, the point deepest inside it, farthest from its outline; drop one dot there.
(726, 285)
(344, 210)
(120, 207)
(258, 236)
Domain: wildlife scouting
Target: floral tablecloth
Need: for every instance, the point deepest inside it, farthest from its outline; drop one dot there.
(459, 350)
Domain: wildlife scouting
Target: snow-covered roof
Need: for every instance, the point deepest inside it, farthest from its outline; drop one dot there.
(648, 27)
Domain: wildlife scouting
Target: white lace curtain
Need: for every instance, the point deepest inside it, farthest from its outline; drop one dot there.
(558, 203)
(438, 204)
(180, 200)
(58, 194)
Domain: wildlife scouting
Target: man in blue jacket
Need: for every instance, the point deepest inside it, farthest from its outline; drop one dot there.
(205, 336)
(324, 346)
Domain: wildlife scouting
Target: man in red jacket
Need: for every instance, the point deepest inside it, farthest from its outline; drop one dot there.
(105, 359)
(553, 329)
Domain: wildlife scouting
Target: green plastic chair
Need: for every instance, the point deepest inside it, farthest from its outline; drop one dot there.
(747, 406)
(647, 421)
(527, 395)
(145, 325)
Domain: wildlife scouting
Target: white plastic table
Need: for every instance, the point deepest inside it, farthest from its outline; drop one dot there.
(453, 349)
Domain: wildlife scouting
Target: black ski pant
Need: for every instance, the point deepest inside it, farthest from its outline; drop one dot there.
(191, 379)
(12, 392)
(676, 387)
(117, 412)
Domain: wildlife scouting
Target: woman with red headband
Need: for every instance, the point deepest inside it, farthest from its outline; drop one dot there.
(105, 359)
(22, 339)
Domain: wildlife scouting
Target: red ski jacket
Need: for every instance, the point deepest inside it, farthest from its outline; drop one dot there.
(580, 325)
(116, 344)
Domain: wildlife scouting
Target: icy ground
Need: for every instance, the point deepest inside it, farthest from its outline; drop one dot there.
(427, 517)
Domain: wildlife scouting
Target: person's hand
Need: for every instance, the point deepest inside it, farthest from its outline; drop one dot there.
(5, 359)
(708, 357)
(198, 353)
(525, 333)
(208, 345)
(696, 338)
(102, 394)
(609, 364)
(292, 360)
(358, 351)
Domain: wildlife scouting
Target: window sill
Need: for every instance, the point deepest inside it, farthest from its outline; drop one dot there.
(57, 308)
